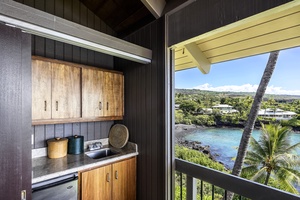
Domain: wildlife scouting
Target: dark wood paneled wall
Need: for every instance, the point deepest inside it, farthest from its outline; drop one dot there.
(72, 10)
(206, 15)
(15, 113)
(144, 110)
(75, 11)
(90, 131)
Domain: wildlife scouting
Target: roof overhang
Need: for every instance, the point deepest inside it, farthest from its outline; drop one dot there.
(40, 23)
(156, 7)
(274, 29)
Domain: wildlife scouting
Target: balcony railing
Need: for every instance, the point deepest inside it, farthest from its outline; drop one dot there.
(245, 189)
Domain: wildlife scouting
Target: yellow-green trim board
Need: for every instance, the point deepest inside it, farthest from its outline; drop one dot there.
(274, 29)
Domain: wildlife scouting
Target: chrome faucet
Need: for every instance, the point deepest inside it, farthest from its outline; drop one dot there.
(95, 146)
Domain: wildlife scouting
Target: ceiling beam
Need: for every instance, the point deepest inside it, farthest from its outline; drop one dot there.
(43, 24)
(198, 58)
(156, 7)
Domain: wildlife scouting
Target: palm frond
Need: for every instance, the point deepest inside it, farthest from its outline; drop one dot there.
(249, 171)
(256, 147)
(253, 158)
(293, 147)
(261, 172)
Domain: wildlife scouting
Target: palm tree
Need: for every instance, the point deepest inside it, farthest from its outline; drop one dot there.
(273, 156)
(237, 168)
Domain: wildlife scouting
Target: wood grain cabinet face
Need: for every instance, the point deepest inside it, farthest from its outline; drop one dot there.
(92, 93)
(41, 89)
(116, 181)
(102, 93)
(56, 91)
(96, 184)
(64, 92)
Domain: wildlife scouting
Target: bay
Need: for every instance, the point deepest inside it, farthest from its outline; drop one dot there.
(224, 142)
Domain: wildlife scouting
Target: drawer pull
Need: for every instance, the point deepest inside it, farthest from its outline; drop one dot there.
(107, 106)
(116, 175)
(56, 105)
(45, 103)
(100, 105)
(107, 177)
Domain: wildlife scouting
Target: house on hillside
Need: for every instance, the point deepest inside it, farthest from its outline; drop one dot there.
(206, 111)
(225, 109)
(278, 113)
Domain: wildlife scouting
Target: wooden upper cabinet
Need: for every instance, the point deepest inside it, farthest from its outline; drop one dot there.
(41, 89)
(118, 94)
(102, 93)
(114, 94)
(92, 93)
(66, 91)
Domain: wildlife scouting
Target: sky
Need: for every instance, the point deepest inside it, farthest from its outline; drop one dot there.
(244, 75)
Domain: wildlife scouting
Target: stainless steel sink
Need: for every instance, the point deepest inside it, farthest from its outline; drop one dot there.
(101, 153)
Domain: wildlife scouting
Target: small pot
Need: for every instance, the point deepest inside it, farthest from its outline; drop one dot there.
(75, 144)
(57, 147)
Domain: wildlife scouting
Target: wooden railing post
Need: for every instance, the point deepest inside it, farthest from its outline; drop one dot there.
(191, 188)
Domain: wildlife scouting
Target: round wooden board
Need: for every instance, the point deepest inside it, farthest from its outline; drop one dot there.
(118, 135)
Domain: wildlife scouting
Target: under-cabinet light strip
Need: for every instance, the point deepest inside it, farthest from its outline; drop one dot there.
(51, 34)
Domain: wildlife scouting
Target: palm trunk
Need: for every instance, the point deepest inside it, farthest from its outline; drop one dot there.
(237, 168)
(267, 178)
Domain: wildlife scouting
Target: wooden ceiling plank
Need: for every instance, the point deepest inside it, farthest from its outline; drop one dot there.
(184, 60)
(253, 42)
(295, 42)
(198, 58)
(184, 66)
(280, 11)
(156, 7)
(180, 53)
(251, 32)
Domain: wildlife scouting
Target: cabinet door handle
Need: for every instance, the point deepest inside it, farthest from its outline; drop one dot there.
(56, 105)
(116, 175)
(100, 105)
(107, 177)
(107, 104)
(45, 103)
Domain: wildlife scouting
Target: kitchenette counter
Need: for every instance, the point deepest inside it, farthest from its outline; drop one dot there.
(44, 168)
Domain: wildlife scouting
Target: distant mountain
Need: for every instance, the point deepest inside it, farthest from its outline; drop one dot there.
(237, 94)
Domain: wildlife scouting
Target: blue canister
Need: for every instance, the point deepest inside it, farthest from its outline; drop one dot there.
(75, 144)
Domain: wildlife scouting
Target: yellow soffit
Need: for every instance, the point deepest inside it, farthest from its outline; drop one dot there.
(274, 29)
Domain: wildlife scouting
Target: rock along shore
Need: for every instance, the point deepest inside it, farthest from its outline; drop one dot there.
(182, 130)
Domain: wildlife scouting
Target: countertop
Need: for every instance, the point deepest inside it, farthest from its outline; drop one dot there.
(44, 168)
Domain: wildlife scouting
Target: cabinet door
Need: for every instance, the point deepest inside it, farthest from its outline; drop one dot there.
(118, 95)
(66, 96)
(120, 177)
(108, 94)
(92, 93)
(131, 183)
(113, 94)
(96, 184)
(41, 89)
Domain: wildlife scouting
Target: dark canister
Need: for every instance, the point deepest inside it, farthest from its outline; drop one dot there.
(75, 144)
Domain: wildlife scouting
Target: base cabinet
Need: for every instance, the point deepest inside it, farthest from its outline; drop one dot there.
(116, 181)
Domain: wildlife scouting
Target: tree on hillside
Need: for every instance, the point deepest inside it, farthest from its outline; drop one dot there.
(273, 156)
(237, 168)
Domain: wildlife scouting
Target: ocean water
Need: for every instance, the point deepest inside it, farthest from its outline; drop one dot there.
(224, 142)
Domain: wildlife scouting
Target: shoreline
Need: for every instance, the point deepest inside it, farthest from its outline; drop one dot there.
(182, 130)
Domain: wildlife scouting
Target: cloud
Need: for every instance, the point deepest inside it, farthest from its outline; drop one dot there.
(246, 88)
